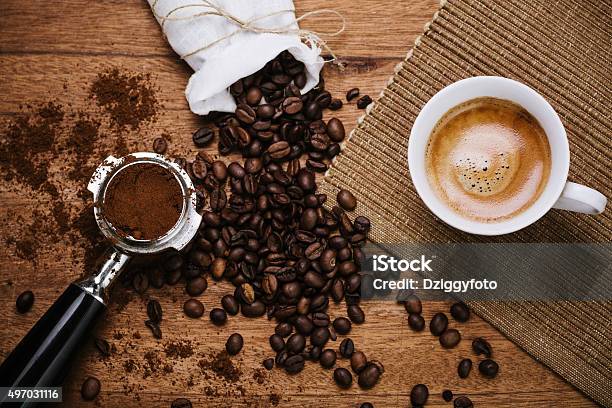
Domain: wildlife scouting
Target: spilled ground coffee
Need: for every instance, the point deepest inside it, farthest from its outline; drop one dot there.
(143, 201)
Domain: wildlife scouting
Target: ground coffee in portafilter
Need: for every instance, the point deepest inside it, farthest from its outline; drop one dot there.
(143, 201)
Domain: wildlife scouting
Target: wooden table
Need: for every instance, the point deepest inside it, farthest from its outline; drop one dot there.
(53, 51)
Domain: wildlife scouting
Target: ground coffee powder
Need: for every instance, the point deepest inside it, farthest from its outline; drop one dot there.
(144, 201)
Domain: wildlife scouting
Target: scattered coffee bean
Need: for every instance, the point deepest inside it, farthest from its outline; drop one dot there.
(230, 304)
(268, 363)
(463, 402)
(464, 368)
(416, 322)
(234, 344)
(346, 200)
(160, 145)
(488, 368)
(419, 395)
(447, 395)
(296, 343)
(294, 364)
(369, 375)
(90, 388)
(102, 346)
(364, 101)
(335, 130)
(347, 348)
(343, 377)
(277, 342)
(154, 311)
(181, 403)
(196, 286)
(328, 358)
(335, 104)
(203, 136)
(412, 304)
(355, 313)
(24, 301)
(460, 312)
(193, 308)
(358, 361)
(342, 325)
(218, 316)
(352, 94)
(481, 346)
(140, 283)
(450, 338)
(438, 324)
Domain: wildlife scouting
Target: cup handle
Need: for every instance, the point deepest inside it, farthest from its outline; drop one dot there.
(578, 198)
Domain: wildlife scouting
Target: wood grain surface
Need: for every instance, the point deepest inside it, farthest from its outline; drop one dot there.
(52, 51)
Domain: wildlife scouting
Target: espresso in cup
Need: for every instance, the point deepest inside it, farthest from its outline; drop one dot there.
(488, 159)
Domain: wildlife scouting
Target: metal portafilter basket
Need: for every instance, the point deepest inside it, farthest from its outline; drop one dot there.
(42, 357)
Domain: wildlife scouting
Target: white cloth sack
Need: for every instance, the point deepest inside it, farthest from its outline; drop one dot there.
(220, 65)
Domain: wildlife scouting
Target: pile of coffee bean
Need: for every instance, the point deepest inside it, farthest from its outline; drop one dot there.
(266, 230)
(449, 338)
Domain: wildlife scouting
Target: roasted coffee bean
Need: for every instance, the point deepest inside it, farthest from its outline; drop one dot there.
(154, 311)
(323, 99)
(362, 224)
(247, 293)
(327, 358)
(234, 344)
(463, 402)
(203, 136)
(160, 145)
(488, 368)
(412, 304)
(181, 403)
(279, 150)
(90, 388)
(218, 316)
(355, 313)
(196, 286)
(218, 268)
(304, 325)
(343, 377)
(269, 284)
(268, 363)
(253, 96)
(284, 329)
(199, 170)
(438, 324)
(369, 376)
(102, 346)
(366, 405)
(450, 338)
(193, 308)
(335, 130)
(245, 114)
(156, 278)
(346, 200)
(342, 325)
(312, 111)
(464, 368)
(316, 166)
(352, 94)
(347, 348)
(447, 395)
(155, 329)
(335, 104)
(306, 180)
(460, 312)
(296, 343)
(230, 304)
(24, 301)
(333, 150)
(416, 322)
(481, 346)
(319, 336)
(292, 105)
(281, 357)
(219, 170)
(172, 277)
(364, 101)
(419, 395)
(140, 283)
(358, 361)
(294, 364)
(255, 309)
(277, 342)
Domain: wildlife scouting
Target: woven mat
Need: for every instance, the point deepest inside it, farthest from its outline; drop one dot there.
(562, 48)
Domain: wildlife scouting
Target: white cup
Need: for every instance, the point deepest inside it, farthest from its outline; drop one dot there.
(558, 193)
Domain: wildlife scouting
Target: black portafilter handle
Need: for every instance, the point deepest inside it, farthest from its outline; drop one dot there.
(42, 358)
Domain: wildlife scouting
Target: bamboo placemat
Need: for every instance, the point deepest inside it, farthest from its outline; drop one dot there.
(562, 48)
